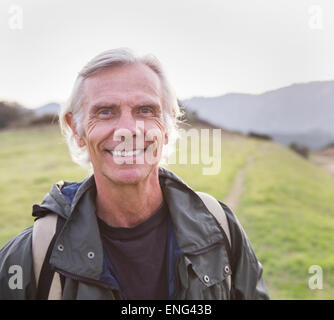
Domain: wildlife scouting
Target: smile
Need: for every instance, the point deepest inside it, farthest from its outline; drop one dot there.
(129, 153)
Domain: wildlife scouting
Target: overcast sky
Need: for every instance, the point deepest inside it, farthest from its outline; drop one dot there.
(208, 47)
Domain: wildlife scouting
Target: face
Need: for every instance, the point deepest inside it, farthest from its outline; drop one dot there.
(123, 123)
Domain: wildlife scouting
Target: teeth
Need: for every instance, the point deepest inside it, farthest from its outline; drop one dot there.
(126, 153)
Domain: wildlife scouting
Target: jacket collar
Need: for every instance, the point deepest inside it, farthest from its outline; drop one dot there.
(195, 227)
(82, 251)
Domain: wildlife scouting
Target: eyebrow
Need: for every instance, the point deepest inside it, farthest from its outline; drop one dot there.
(148, 104)
(108, 105)
(99, 105)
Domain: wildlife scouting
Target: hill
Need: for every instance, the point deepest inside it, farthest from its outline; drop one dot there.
(286, 206)
(50, 108)
(302, 113)
(47, 109)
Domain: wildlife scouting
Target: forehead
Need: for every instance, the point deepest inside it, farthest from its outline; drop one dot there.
(123, 84)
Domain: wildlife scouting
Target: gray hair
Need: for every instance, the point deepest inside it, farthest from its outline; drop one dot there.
(109, 59)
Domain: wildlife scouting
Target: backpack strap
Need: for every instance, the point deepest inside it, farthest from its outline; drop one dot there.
(45, 232)
(218, 212)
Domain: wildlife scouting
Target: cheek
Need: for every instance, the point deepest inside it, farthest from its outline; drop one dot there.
(97, 132)
(163, 127)
(159, 123)
(156, 130)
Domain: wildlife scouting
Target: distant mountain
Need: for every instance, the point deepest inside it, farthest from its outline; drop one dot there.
(302, 113)
(50, 108)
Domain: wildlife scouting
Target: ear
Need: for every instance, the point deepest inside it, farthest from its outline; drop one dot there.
(71, 123)
(166, 138)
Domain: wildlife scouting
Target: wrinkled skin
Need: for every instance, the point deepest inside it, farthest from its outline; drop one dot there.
(126, 101)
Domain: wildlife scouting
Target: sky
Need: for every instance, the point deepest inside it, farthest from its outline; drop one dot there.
(207, 47)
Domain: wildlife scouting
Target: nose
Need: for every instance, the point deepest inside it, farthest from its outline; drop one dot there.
(128, 128)
(126, 121)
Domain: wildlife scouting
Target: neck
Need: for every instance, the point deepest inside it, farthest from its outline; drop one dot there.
(130, 204)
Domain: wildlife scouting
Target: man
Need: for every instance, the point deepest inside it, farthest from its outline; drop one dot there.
(132, 230)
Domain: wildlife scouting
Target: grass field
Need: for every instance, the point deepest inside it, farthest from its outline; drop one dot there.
(287, 207)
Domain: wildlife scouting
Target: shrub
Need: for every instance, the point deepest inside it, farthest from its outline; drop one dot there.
(301, 150)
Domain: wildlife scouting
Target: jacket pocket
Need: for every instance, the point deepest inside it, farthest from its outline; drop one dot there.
(207, 274)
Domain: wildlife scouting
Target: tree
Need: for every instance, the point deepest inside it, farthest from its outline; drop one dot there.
(11, 112)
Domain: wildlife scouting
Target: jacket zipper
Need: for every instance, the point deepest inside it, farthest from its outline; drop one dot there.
(176, 280)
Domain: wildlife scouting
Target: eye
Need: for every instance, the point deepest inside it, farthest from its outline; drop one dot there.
(145, 110)
(104, 113)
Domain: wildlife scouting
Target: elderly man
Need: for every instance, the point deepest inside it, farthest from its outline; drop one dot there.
(132, 230)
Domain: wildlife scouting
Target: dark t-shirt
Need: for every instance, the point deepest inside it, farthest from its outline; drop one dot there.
(138, 256)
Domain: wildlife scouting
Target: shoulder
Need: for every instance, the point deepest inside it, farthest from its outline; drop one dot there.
(239, 239)
(17, 279)
(18, 248)
(246, 269)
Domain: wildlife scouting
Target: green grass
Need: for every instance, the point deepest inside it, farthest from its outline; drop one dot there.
(287, 208)
(30, 161)
(234, 154)
(288, 212)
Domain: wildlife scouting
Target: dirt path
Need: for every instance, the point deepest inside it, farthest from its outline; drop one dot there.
(324, 159)
(234, 197)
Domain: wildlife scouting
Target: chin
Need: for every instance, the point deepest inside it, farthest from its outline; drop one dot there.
(127, 175)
